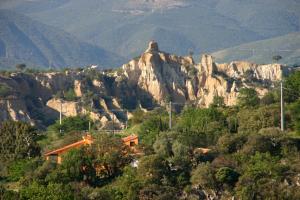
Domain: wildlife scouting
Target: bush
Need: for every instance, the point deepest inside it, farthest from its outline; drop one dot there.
(18, 169)
(5, 90)
(227, 175)
(78, 123)
(8, 194)
(70, 95)
(53, 191)
(18, 140)
(247, 97)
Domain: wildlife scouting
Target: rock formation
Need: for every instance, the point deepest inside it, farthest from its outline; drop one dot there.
(152, 79)
(166, 76)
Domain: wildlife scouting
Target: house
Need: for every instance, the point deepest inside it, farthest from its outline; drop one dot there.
(131, 140)
(56, 155)
(202, 150)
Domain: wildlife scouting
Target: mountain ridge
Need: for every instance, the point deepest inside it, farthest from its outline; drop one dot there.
(287, 46)
(207, 25)
(27, 41)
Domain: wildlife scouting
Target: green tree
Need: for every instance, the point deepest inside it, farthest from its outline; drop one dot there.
(269, 98)
(203, 178)
(231, 143)
(247, 97)
(5, 90)
(21, 66)
(19, 168)
(70, 95)
(109, 154)
(128, 184)
(276, 58)
(18, 140)
(152, 169)
(163, 146)
(158, 192)
(294, 110)
(261, 174)
(218, 101)
(78, 123)
(151, 127)
(292, 85)
(252, 120)
(227, 175)
(78, 165)
(51, 191)
(138, 117)
(8, 194)
(201, 127)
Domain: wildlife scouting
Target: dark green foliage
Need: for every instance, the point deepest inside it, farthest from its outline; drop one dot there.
(78, 166)
(8, 194)
(261, 143)
(109, 153)
(292, 87)
(294, 109)
(198, 125)
(198, 120)
(227, 175)
(138, 117)
(203, 176)
(261, 172)
(152, 169)
(5, 90)
(70, 95)
(151, 127)
(18, 169)
(277, 58)
(218, 101)
(252, 120)
(157, 192)
(248, 158)
(18, 140)
(128, 185)
(53, 191)
(231, 143)
(78, 123)
(21, 66)
(269, 98)
(247, 97)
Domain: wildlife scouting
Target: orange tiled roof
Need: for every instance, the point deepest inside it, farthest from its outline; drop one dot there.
(129, 138)
(86, 140)
(202, 150)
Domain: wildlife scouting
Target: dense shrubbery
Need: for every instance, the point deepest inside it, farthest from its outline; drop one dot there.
(4, 90)
(78, 123)
(18, 141)
(249, 157)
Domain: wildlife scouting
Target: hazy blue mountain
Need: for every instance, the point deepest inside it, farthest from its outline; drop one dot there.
(23, 40)
(125, 26)
(287, 46)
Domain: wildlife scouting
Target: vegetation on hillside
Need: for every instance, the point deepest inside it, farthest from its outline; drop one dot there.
(247, 155)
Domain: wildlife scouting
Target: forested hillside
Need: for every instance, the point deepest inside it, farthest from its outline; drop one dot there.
(217, 152)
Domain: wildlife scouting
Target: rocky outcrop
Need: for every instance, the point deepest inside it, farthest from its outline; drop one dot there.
(152, 79)
(166, 76)
(14, 109)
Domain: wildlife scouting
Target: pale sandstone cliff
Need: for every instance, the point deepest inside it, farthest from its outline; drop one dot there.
(164, 75)
(151, 80)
